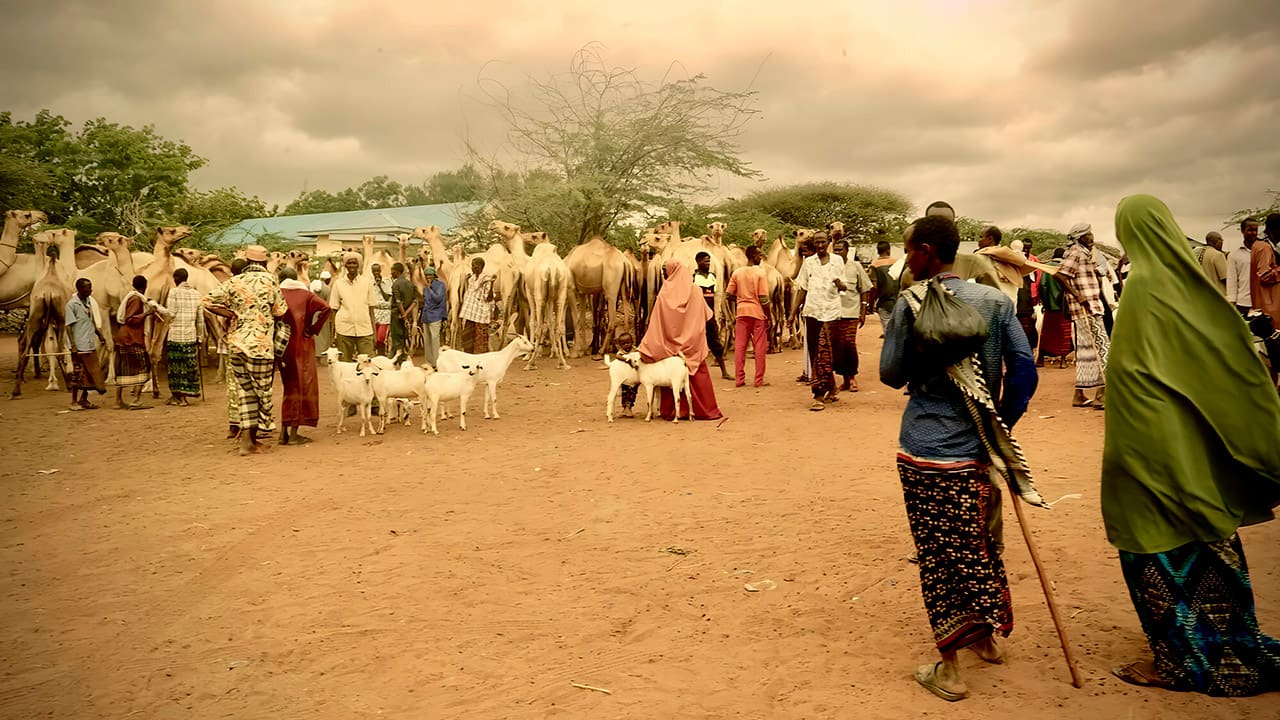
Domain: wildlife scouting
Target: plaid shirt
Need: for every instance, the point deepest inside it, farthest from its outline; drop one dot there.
(1078, 268)
(184, 310)
(476, 305)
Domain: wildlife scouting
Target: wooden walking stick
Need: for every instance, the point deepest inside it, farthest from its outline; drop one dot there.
(1048, 591)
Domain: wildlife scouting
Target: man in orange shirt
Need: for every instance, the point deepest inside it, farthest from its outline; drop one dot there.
(1264, 281)
(751, 289)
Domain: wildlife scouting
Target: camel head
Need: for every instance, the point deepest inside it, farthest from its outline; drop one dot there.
(717, 230)
(836, 229)
(297, 258)
(114, 242)
(537, 237)
(654, 242)
(427, 233)
(190, 256)
(758, 236)
(424, 256)
(504, 229)
(167, 237)
(274, 258)
(25, 218)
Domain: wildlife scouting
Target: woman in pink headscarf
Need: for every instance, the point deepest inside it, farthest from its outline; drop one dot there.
(678, 324)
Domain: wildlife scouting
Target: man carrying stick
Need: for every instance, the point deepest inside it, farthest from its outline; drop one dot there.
(952, 435)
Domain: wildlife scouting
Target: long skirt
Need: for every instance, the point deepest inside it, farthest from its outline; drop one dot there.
(475, 337)
(817, 335)
(844, 347)
(966, 593)
(184, 368)
(704, 398)
(1055, 338)
(1028, 323)
(254, 376)
(133, 365)
(1092, 345)
(1195, 603)
(86, 373)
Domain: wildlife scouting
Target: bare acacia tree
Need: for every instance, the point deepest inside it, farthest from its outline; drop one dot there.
(597, 143)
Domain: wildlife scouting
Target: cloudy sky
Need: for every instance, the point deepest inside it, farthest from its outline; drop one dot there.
(1022, 112)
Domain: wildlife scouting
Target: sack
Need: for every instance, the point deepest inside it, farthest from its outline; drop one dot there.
(280, 337)
(947, 328)
(887, 286)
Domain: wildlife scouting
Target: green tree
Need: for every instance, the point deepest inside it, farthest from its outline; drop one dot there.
(128, 177)
(449, 186)
(614, 145)
(1258, 213)
(323, 201)
(37, 159)
(207, 213)
(866, 211)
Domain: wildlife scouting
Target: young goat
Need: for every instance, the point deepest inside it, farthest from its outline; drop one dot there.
(671, 372)
(441, 386)
(620, 373)
(495, 366)
(409, 381)
(355, 390)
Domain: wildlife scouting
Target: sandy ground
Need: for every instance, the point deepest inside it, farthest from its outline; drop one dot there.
(479, 574)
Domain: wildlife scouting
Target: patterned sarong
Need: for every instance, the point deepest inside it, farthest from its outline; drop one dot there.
(966, 593)
(1196, 607)
(817, 336)
(1092, 345)
(86, 373)
(254, 376)
(184, 369)
(844, 346)
(133, 366)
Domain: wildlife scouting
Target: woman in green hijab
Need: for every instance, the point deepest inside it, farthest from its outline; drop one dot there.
(1192, 453)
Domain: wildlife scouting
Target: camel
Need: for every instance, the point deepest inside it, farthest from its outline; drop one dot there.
(758, 236)
(49, 298)
(90, 254)
(598, 269)
(15, 221)
(299, 261)
(18, 272)
(546, 281)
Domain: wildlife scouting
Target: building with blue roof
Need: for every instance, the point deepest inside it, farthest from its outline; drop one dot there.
(324, 233)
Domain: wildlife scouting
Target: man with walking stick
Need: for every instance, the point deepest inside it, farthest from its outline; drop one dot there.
(947, 341)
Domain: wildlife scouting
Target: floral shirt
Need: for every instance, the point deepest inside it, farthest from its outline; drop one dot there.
(254, 296)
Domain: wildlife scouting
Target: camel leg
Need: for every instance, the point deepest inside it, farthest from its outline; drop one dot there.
(534, 333)
(24, 342)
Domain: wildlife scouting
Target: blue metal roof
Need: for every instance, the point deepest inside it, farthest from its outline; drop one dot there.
(304, 228)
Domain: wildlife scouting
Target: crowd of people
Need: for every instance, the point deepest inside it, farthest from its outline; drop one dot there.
(1179, 359)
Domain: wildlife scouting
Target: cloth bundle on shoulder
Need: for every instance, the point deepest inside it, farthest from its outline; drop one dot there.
(947, 328)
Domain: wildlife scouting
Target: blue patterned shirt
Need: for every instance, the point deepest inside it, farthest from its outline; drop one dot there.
(936, 424)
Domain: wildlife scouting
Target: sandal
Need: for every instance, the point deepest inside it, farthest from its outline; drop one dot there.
(1085, 404)
(1134, 674)
(817, 406)
(926, 674)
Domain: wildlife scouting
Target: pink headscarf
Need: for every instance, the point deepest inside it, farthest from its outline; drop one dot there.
(679, 320)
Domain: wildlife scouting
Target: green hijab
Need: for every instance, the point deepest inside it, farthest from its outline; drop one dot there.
(1193, 422)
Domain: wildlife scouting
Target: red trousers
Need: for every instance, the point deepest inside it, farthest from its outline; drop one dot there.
(753, 330)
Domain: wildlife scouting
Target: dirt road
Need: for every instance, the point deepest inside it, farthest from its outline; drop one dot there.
(149, 572)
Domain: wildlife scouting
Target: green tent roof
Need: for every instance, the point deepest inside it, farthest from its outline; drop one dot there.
(384, 221)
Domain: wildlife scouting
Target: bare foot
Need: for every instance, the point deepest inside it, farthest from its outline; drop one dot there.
(989, 651)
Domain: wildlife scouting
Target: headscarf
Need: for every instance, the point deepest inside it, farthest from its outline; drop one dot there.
(350, 256)
(1078, 231)
(679, 320)
(1191, 451)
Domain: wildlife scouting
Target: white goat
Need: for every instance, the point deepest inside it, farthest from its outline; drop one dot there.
(441, 386)
(356, 390)
(495, 366)
(670, 372)
(620, 373)
(408, 381)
